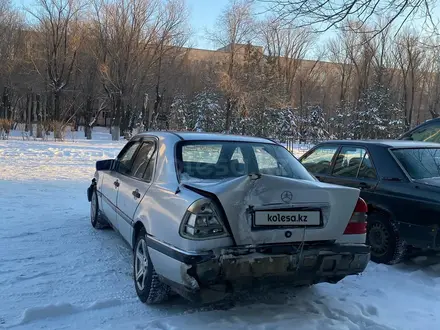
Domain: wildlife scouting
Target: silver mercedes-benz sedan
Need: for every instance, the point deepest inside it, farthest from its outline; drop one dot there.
(210, 214)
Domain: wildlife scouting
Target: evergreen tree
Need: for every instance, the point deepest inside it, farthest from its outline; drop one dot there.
(316, 126)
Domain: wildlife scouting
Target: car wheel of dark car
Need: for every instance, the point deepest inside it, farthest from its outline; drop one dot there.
(149, 288)
(383, 238)
(95, 216)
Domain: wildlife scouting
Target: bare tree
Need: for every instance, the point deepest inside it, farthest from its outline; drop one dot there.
(174, 35)
(11, 41)
(409, 55)
(286, 48)
(233, 31)
(339, 55)
(58, 24)
(325, 14)
(87, 81)
(432, 77)
(132, 36)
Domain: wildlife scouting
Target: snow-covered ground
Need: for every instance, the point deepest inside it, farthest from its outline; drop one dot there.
(57, 272)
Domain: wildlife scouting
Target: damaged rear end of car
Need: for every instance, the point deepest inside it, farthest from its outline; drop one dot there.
(285, 227)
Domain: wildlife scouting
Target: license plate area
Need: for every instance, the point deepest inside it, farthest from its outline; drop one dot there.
(287, 218)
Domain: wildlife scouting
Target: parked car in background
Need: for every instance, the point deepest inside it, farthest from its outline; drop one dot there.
(399, 180)
(206, 214)
(429, 131)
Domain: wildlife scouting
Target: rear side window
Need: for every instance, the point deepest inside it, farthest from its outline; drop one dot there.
(144, 163)
(367, 170)
(238, 156)
(348, 162)
(354, 162)
(264, 159)
(320, 160)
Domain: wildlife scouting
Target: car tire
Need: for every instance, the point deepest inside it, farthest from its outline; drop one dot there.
(383, 238)
(95, 214)
(149, 288)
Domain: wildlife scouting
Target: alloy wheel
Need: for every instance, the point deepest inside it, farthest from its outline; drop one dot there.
(141, 264)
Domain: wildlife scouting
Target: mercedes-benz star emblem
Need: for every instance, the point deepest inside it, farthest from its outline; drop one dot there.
(286, 197)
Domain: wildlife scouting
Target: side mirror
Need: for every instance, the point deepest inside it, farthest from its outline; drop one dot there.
(104, 165)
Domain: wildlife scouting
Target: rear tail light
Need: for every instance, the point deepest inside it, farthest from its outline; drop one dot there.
(358, 220)
(202, 220)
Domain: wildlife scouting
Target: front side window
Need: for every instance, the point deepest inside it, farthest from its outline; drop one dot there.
(126, 158)
(349, 161)
(419, 163)
(320, 160)
(234, 159)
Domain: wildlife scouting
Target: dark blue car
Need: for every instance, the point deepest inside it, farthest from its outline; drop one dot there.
(400, 181)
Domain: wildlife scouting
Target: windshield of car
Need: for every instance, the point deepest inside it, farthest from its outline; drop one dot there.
(429, 132)
(420, 163)
(220, 159)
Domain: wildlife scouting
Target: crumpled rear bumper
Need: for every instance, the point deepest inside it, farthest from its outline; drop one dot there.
(236, 269)
(311, 264)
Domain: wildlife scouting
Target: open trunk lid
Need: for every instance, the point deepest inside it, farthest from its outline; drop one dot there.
(272, 209)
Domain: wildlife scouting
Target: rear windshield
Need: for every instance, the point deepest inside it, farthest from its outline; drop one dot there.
(420, 163)
(219, 160)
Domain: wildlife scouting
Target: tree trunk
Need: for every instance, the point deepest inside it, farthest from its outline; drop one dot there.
(146, 113)
(45, 105)
(24, 114)
(88, 131)
(228, 115)
(39, 130)
(157, 103)
(116, 132)
(4, 112)
(125, 121)
(88, 118)
(56, 101)
(29, 116)
(56, 97)
(57, 133)
(39, 116)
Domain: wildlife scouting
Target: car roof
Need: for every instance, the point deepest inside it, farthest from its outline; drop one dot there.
(202, 136)
(387, 143)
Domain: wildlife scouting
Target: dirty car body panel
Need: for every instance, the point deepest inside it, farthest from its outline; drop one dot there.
(224, 212)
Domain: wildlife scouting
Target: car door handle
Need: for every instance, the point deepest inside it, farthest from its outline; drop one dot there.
(116, 183)
(363, 185)
(136, 194)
